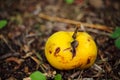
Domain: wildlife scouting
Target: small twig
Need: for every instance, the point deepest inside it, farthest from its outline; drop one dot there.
(6, 42)
(107, 65)
(43, 67)
(97, 32)
(37, 61)
(80, 75)
(28, 52)
(96, 26)
(75, 32)
(75, 74)
(9, 55)
(83, 28)
(14, 59)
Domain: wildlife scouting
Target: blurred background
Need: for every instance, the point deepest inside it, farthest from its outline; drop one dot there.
(26, 33)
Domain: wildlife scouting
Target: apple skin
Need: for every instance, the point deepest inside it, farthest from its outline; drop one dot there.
(58, 50)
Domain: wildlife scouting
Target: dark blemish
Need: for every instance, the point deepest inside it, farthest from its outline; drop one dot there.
(74, 44)
(50, 52)
(62, 59)
(74, 66)
(88, 60)
(80, 65)
(73, 51)
(67, 49)
(57, 50)
(89, 40)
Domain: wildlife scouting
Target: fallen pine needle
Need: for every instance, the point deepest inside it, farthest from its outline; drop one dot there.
(68, 21)
(36, 60)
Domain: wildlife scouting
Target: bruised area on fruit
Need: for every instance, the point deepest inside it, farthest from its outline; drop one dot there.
(88, 60)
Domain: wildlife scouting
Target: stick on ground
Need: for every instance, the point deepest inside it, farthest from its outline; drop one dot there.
(96, 26)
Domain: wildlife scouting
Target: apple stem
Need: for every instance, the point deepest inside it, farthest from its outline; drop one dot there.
(75, 32)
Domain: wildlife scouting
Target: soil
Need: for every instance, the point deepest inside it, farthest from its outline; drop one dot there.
(23, 39)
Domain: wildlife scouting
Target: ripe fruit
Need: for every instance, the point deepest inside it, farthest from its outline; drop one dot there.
(63, 53)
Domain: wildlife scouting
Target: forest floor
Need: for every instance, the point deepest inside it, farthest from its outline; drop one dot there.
(22, 41)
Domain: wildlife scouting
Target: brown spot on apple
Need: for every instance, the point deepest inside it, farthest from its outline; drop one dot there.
(57, 50)
(88, 60)
(50, 52)
(88, 40)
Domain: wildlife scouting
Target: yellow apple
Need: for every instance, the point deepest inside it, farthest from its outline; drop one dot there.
(60, 54)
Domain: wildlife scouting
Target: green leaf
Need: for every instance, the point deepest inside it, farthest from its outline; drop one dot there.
(58, 77)
(117, 43)
(37, 75)
(69, 1)
(3, 23)
(116, 33)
